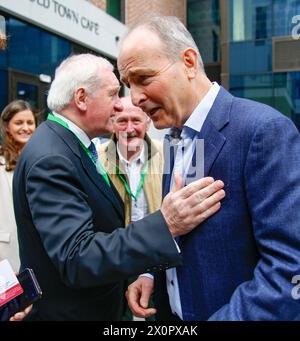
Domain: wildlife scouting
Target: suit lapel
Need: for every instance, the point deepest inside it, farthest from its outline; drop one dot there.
(214, 139)
(87, 164)
(213, 143)
(100, 183)
(211, 134)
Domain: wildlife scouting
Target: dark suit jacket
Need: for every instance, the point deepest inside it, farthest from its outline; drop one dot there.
(239, 264)
(70, 231)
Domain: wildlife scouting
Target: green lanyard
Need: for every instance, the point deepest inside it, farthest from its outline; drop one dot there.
(88, 152)
(127, 188)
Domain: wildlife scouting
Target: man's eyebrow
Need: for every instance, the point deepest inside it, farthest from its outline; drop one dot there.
(115, 88)
(132, 73)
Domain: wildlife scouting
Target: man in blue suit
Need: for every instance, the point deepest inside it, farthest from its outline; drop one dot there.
(69, 214)
(240, 263)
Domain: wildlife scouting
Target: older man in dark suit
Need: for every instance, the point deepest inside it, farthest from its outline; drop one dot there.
(69, 214)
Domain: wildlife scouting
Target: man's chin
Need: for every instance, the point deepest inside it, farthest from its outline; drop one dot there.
(160, 125)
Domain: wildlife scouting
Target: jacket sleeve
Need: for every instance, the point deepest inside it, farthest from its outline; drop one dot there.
(83, 257)
(272, 178)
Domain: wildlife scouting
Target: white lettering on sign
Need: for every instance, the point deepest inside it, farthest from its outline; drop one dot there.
(69, 14)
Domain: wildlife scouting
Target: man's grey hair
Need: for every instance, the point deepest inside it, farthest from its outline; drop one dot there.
(83, 70)
(172, 33)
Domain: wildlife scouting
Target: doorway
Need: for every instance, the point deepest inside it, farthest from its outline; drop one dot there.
(31, 88)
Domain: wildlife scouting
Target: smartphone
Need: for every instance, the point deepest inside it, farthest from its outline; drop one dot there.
(32, 293)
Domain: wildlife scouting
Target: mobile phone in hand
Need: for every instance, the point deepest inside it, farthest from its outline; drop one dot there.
(32, 293)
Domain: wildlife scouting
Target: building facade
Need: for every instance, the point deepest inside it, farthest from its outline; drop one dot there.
(41, 33)
(252, 47)
(264, 62)
(248, 46)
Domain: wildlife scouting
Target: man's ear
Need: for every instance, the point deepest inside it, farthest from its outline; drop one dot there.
(190, 60)
(80, 99)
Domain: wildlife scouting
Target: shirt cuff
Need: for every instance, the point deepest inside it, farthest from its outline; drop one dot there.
(147, 275)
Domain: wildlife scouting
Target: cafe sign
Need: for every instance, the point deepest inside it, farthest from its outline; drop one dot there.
(76, 20)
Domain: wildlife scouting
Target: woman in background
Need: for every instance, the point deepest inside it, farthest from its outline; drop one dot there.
(17, 123)
(22, 314)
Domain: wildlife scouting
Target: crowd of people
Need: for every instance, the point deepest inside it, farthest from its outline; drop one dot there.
(201, 227)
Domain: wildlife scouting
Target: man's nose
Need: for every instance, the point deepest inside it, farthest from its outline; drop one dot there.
(118, 105)
(129, 127)
(137, 96)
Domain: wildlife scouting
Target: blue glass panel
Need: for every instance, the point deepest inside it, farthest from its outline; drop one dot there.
(204, 25)
(250, 57)
(284, 11)
(287, 95)
(250, 19)
(280, 90)
(3, 89)
(34, 50)
(28, 92)
(3, 59)
(261, 22)
(113, 7)
(256, 87)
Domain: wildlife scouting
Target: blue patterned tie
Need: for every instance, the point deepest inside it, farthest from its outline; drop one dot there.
(93, 151)
(170, 149)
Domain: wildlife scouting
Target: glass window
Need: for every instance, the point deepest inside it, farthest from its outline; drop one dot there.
(280, 90)
(284, 11)
(287, 95)
(203, 21)
(216, 12)
(33, 50)
(255, 87)
(114, 8)
(261, 22)
(250, 19)
(28, 92)
(3, 89)
(251, 57)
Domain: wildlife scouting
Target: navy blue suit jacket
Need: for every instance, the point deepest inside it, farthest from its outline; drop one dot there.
(239, 264)
(70, 231)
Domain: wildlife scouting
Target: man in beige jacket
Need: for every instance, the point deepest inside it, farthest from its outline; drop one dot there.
(134, 162)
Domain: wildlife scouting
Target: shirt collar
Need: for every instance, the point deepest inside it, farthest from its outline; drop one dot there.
(80, 134)
(136, 159)
(195, 121)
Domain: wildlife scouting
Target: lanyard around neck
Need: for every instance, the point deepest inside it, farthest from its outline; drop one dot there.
(140, 185)
(87, 151)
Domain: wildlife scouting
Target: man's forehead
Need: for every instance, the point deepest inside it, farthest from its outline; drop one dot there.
(130, 114)
(139, 45)
(140, 35)
(131, 111)
(109, 79)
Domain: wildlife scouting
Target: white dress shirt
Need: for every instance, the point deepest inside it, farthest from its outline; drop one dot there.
(133, 169)
(181, 165)
(79, 133)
